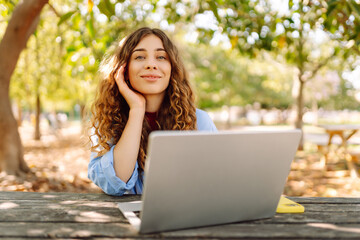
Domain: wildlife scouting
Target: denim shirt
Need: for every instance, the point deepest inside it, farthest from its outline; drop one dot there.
(101, 169)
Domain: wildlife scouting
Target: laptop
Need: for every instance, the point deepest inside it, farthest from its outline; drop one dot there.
(195, 178)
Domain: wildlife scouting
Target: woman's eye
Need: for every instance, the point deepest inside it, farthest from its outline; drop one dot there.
(161, 57)
(139, 57)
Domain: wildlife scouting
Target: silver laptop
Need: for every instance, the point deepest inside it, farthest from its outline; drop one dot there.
(195, 178)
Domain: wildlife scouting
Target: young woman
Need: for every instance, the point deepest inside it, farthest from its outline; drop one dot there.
(144, 87)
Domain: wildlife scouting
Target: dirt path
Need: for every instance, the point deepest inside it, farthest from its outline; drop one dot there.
(59, 164)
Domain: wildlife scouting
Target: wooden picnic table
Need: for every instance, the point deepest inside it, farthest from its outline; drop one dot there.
(25, 215)
(345, 132)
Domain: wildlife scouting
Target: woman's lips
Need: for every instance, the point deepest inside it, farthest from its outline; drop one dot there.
(151, 77)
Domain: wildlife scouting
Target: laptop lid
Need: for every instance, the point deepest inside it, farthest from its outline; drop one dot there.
(195, 178)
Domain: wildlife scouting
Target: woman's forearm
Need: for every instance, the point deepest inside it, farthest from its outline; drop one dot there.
(127, 148)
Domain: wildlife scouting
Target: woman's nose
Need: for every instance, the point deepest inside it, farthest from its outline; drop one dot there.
(151, 64)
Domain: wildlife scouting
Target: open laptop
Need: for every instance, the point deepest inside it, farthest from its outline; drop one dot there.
(195, 178)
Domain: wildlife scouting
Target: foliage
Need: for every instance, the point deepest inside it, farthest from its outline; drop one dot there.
(71, 47)
(6, 8)
(223, 77)
(342, 99)
(40, 68)
(74, 35)
(302, 35)
(63, 55)
(343, 22)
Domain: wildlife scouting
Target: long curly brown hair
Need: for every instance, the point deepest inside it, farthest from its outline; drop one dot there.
(110, 111)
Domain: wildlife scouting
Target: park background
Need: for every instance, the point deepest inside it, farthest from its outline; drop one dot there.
(253, 64)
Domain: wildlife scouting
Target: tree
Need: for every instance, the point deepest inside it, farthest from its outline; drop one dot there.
(21, 25)
(91, 39)
(253, 26)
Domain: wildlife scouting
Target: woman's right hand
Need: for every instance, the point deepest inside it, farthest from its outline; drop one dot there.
(127, 148)
(134, 99)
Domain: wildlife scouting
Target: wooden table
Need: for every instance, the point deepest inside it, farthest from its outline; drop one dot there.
(345, 132)
(71, 215)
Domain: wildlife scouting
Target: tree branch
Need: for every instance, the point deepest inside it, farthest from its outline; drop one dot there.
(319, 66)
(21, 25)
(54, 10)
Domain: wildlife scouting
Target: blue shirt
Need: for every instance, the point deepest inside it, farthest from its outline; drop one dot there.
(101, 169)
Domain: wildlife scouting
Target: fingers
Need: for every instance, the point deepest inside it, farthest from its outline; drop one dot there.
(119, 76)
(120, 81)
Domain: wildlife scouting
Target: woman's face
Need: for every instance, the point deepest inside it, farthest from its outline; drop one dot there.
(149, 67)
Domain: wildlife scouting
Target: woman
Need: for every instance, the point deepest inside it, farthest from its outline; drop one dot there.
(144, 87)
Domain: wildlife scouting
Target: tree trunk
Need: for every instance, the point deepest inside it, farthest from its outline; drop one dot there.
(11, 151)
(21, 25)
(37, 134)
(83, 117)
(300, 110)
(300, 106)
(19, 113)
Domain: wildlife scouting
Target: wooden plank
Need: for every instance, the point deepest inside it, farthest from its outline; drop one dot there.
(97, 211)
(7, 204)
(65, 230)
(276, 231)
(314, 217)
(107, 198)
(240, 231)
(65, 196)
(108, 215)
(325, 200)
(332, 207)
(63, 214)
(98, 205)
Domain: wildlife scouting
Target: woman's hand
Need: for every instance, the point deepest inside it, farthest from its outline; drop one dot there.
(127, 148)
(134, 99)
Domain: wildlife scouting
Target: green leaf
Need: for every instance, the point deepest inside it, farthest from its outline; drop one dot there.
(214, 9)
(76, 21)
(103, 9)
(107, 8)
(355, 7)
(71, 48)
(110, 7)
(90, 25)
(331, 7)
(65, 17)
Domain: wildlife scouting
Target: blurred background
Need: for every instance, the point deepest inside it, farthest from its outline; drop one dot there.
(253, 64)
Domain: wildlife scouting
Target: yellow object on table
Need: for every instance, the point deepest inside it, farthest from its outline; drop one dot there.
(288, 206)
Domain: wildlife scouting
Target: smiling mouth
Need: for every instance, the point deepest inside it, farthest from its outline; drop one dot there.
(151, 77)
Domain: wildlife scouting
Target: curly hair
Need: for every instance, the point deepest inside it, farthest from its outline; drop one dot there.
(110, 110)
